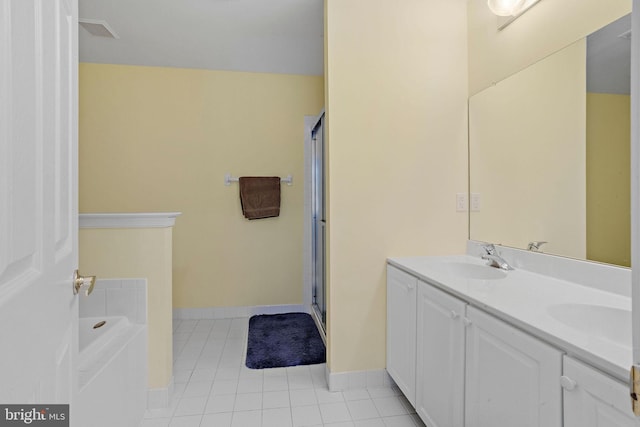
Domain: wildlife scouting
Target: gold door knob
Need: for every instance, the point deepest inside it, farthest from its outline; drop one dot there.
(80, 281)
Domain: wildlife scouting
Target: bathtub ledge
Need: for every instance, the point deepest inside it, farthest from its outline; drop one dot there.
(128, 220)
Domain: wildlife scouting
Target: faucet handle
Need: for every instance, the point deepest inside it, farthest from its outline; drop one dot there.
(535, 246)
(490, 249)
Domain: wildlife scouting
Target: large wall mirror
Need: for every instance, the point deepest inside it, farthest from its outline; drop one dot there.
(549, 152)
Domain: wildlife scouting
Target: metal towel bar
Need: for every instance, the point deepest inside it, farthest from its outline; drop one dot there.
(228, 179)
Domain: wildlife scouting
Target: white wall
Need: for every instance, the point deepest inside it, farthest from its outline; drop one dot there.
(396, 101)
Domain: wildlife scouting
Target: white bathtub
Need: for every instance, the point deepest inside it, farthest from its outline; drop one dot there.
(112, 373)
(94, 340)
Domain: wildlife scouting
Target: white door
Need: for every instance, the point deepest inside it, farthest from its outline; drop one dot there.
(635, 182)
(38, 206)
(512, 379)
(401, 330)
(440, 358)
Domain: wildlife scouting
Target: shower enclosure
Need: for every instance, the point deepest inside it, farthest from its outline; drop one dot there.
(318, 221)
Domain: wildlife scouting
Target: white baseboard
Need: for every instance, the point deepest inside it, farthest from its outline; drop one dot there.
(158, 398)
(233, 312)
(341, 381)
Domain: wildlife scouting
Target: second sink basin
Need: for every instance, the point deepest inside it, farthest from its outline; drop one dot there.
(475, 271)
(609, 323)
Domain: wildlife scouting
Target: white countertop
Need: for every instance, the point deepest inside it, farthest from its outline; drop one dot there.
(522, 298)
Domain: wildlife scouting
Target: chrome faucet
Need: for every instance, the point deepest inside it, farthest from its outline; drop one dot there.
(494, 259)
(535, 246)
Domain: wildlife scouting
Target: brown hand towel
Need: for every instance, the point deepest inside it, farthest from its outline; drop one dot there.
(260, 196)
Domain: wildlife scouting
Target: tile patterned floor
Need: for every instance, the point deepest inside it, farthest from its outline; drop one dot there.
(214, 388)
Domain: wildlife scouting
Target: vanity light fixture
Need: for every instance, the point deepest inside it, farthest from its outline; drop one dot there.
(509, 10)
(506, 7)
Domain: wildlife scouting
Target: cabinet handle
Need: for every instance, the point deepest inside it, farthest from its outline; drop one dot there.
(454, 315)
(466, 321)
(567, 383)
(411, 286)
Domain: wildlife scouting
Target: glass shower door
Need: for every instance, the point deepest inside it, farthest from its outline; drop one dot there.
(318, 220)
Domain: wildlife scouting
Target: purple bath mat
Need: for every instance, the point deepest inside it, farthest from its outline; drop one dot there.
(279, 340)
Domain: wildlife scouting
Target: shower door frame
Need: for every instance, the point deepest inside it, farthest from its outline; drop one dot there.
(315, 218)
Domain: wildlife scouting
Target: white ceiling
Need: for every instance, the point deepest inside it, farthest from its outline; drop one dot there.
(270, 36)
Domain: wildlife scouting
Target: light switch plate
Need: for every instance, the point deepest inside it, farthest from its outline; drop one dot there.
(461, 202)
(475, 202)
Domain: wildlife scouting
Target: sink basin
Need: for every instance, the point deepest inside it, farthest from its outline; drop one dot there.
(475, 271)
(609, 323)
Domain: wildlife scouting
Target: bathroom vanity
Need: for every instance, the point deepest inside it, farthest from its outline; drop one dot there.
(476, 346)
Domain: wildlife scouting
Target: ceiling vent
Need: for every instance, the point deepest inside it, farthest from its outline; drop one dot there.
(626, 35)
(98, 28)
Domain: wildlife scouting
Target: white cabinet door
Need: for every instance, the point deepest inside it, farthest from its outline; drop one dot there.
(592, 399)
(401, 330)
(440, 358)
(512, 379)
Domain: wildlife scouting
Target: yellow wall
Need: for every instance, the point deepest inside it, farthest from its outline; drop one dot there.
(138, 253)
(608, 178)
(397, 135)
(527, 156)
(162, 139)
(547, 27)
